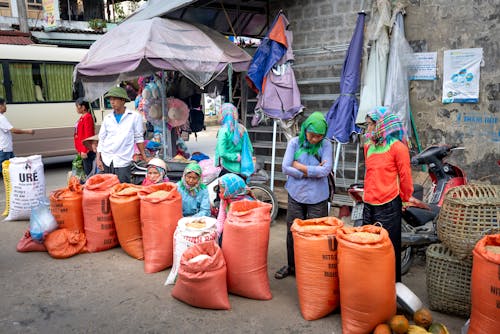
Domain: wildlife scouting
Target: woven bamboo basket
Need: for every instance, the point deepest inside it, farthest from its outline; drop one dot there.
(448, 281)
(468, 213)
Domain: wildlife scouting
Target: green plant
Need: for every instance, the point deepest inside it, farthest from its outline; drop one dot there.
(97, 24)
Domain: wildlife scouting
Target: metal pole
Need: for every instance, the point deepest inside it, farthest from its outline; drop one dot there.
(336, 162)
(273, 154)
(166, 139)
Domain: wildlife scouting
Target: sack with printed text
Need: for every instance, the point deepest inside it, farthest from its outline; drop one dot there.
(27, 186)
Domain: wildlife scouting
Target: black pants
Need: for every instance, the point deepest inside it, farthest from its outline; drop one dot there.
(88, 162)
(301, 211)
(389, 215)
(123, 173)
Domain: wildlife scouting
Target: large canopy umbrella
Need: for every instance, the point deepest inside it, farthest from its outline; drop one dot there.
(397, 95)
(373, 88)
(342, 115)
(144, 47)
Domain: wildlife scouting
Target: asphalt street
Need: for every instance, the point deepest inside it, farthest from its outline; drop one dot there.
(108, 292)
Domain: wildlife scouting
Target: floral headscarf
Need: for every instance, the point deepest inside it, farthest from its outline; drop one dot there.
(233, 185)
(162, 178)
(229, 118)
(388, 127)
(192, 168)
(315, 123)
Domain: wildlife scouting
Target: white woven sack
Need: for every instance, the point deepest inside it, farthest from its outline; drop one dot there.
(185, 237)
(27, 180)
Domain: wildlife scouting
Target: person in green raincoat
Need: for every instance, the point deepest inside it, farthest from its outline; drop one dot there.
(195, 200)
(234, 150)
(307, 164)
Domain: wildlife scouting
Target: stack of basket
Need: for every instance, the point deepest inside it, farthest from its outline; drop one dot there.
(468, 213)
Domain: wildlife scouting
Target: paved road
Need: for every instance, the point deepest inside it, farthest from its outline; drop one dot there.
(108, 292)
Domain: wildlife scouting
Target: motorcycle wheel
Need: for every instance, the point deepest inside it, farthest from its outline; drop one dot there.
(264, 194)
(406, 252)
(406, 260)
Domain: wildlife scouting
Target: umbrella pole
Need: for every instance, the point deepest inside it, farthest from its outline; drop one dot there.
(273, 154)
(166, 139)
(336, 162)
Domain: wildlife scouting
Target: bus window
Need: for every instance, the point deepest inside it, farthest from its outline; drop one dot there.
(23, 86)
(39, 82)
(2, 87)
(107, 104)
(95, 104)
(57, 80)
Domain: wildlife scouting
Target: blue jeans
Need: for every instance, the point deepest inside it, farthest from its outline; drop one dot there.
(5, 156)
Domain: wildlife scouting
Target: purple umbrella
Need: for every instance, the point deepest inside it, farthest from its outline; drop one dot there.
(342, 115)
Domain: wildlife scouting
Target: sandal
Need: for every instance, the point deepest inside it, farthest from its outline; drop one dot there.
(284, 272)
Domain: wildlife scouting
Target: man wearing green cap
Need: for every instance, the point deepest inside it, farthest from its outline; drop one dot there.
(119, 132)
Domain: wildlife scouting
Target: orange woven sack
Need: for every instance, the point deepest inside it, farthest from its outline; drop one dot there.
(245, 244)
(367, 282)
(485, 286)
(66, 205)
(97, 218)
(201, 280)
(316, 265)
(125, 206)
(27, 244)
(161, 209)
(63, 243)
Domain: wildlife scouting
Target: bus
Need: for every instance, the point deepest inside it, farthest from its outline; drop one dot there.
(37, 83)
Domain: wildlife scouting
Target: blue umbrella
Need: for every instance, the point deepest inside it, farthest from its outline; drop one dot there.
(342, 115)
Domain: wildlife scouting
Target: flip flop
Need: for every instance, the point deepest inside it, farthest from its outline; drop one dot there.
(284, 272)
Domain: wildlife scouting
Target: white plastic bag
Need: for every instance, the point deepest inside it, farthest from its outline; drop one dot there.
(27, 184)
(41, 220)
(190, 231)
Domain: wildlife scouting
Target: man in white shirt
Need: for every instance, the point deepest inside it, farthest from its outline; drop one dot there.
(6, 131)
(119, 132)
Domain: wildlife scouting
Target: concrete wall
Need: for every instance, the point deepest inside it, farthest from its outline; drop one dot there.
(432, 26)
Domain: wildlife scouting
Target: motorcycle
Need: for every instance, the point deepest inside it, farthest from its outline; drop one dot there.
(418, 225)
(257, 185)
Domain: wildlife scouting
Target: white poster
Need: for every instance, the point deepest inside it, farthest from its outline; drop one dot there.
(461, 75)
(422, 66)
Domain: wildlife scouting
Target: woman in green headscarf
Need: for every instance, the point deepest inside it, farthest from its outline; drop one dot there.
(307, 163)
(195, 200)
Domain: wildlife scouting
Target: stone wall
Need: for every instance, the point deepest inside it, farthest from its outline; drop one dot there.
(432, 26)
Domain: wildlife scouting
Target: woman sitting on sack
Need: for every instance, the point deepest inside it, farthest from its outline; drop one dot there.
(232, 188)
(195, 201)
(156, 173)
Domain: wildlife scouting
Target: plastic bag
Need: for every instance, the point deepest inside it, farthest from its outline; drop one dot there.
(41, 220)
(77, 168)
(247, 166)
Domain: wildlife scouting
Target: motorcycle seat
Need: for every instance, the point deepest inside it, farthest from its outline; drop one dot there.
(418, 217)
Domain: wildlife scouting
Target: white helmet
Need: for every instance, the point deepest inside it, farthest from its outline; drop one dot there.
(158, 163)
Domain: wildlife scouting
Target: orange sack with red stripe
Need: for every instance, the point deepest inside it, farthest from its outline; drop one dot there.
(161, 209)
(367, 278)
(244, 244)
(126, 210)
(66, 205)
(97, 217)
(316, 272)
(201, 280)
(485, 286)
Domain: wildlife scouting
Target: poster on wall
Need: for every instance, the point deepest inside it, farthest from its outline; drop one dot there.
(461, 75)
(49, 14)
(422, 66)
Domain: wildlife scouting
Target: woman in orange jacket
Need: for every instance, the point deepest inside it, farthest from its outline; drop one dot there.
(388, 180)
